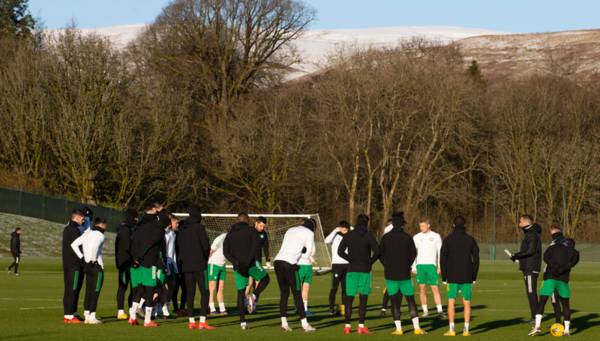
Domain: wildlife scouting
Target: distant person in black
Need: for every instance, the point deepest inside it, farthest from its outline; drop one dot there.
(397, 252)
(459, 262)
(124, 259)
(15, 250)
(560, 257)
(72, 267)
(194, 248)
(360, 249)
(530, 259)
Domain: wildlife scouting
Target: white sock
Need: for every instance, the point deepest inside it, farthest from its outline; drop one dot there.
(244, 324)
(305, 305)
(120, 312)
(567, 326)
(211, 305)
(133, 309)
(165, 310)
(425, 308)
(451, 326)
(222, 306)
(439, 308)
(360, 325)
(284, 322)
(415, 322)
(538, 320)
(398, 325)
(148, 315)
(347, 326)
(191, 320)
(466, 327)
(202, 319)
(86, 314)
(304, 322)
(93, 315)
(68, 316)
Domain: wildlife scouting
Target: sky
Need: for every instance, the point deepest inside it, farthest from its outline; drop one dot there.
(501, 15)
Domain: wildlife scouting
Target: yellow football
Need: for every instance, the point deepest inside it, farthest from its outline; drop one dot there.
(557, 329)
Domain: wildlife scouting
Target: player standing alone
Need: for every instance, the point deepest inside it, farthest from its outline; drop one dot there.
(297, 241)
(15, 250)
(339, 266)
(360, 249)
(240, 247)
(397, 253)
(427, 265)
(459, 260)
(560, 258)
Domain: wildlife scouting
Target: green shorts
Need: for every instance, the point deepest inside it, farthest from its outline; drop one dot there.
(403, 286)
(256, 272)
(549, 285)
(466, 289)
(150, 277)
(358, 282)
(216, 272)
(427, 274)
(305, 274)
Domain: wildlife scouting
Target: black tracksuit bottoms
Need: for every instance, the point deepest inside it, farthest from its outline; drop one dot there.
(73, 281)
(338, 278)
(94, 279)
(193, 279)
(288, 280)
(124, 284)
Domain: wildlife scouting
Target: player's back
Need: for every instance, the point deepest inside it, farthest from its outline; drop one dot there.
(294, 242)
(460, 257)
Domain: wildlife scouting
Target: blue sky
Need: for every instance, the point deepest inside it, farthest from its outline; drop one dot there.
(502, 15)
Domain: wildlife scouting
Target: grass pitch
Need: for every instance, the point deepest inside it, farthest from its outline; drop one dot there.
(31, 309)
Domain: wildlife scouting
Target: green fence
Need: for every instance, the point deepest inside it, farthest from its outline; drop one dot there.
(51, 208)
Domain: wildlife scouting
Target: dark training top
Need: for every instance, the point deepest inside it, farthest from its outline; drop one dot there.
(560, 258)
(263, 246)
(530, 253)
(69, 258)
(359, 248)
(193, 244)
(240, 246)
(15, 243)
(397, 253)
(123, 255)
(459, 257)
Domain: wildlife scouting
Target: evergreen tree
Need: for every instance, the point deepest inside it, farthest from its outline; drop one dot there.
(15, 19)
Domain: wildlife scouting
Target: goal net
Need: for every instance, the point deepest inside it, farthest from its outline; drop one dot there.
(277, 225)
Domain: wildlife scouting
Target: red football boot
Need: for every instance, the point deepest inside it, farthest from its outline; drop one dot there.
(363, 330)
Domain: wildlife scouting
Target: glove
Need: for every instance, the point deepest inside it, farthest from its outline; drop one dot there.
(304, 249)
(136, 263)
(513, 258)
(82, 262)
(88, 212)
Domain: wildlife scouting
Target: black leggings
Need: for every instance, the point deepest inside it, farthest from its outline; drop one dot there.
(124, 284)
(193, 279)
(288, 280)
(94, 279)
(15, 263)
(556, 307)
(338, 278)
(362, 309)
(397, 301)
(386, 299)
(73, 281)
(531, 291)
(166, 291)
(566, 306)
(179, 284)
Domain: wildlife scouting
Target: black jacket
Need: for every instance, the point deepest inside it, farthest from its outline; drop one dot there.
(263, 246)
(240, 246)
(148, 240)
(193, 245)
(123, 255)
(397, 252)
(15, 243)
(530, 253)
(359, 248)
(69, 258)
(560, 257)
(459, 257)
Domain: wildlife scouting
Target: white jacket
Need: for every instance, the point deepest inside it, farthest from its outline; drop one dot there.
(294, 240)
(335, 238)
(217, 257)
(91, 242)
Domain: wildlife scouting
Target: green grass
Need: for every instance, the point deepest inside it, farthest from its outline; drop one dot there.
(31, 308)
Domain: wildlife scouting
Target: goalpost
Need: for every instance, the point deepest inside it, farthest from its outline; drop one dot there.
(277, 225)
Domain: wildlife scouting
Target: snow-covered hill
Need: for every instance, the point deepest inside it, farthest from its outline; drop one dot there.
(315, 45)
